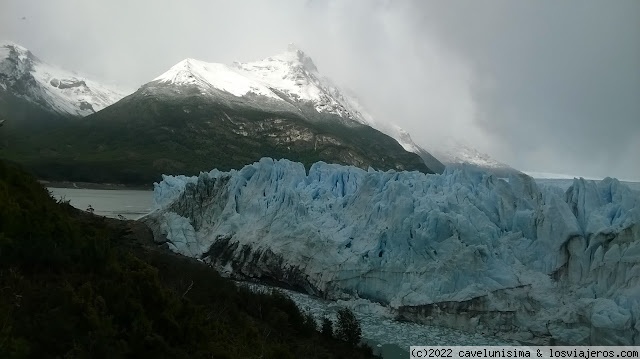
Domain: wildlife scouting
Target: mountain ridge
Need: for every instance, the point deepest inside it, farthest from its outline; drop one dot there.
(287, 84)
(285, 77)
(50, 87)
(292, 76)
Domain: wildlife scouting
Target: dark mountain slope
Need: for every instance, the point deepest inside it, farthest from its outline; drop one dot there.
(150, 133)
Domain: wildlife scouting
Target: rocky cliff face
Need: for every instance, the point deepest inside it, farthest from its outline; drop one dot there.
(462, 249)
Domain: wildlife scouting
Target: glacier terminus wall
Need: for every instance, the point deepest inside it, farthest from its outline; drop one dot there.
(462, 249)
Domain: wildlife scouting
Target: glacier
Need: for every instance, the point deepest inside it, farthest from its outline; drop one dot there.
(463, 249)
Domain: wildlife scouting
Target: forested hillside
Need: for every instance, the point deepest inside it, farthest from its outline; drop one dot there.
(75, 285)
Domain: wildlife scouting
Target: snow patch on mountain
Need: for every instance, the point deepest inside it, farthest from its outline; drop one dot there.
(460, 249)
(74, 94)
(452, 152)
(51, 87)
(404, 139)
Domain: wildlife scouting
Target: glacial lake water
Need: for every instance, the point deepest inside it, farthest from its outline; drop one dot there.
(380, 329)
(131, 204)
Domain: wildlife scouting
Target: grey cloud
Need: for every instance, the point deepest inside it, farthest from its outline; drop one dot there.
(542, 85)
(565, 77)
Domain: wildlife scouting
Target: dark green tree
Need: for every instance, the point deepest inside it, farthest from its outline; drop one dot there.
(309, 326)
(327, 327)
(348, 327)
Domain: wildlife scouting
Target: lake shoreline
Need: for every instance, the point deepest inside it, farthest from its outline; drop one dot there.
(91, 185)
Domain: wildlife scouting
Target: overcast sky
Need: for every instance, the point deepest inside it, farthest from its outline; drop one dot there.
(549, 86)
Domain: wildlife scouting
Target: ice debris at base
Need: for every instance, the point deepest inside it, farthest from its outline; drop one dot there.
(377, 322)
(462, 249)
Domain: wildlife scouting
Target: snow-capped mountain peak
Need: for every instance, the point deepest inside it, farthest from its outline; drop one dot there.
(296, 58)
(8, 49)
(294, 75)
(26, 76)
(293, 80)
(213, 76)
(290, 77)
(14, 59)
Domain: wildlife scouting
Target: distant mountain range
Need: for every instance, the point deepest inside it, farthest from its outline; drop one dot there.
(195, 116)
(454, 153)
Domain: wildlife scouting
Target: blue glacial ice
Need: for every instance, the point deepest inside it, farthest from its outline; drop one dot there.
(462, 249)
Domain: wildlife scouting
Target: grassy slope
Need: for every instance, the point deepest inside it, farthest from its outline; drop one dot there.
(75, 285)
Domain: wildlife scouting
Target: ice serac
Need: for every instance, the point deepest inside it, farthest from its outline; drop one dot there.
(463, 249)
(55, 89)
